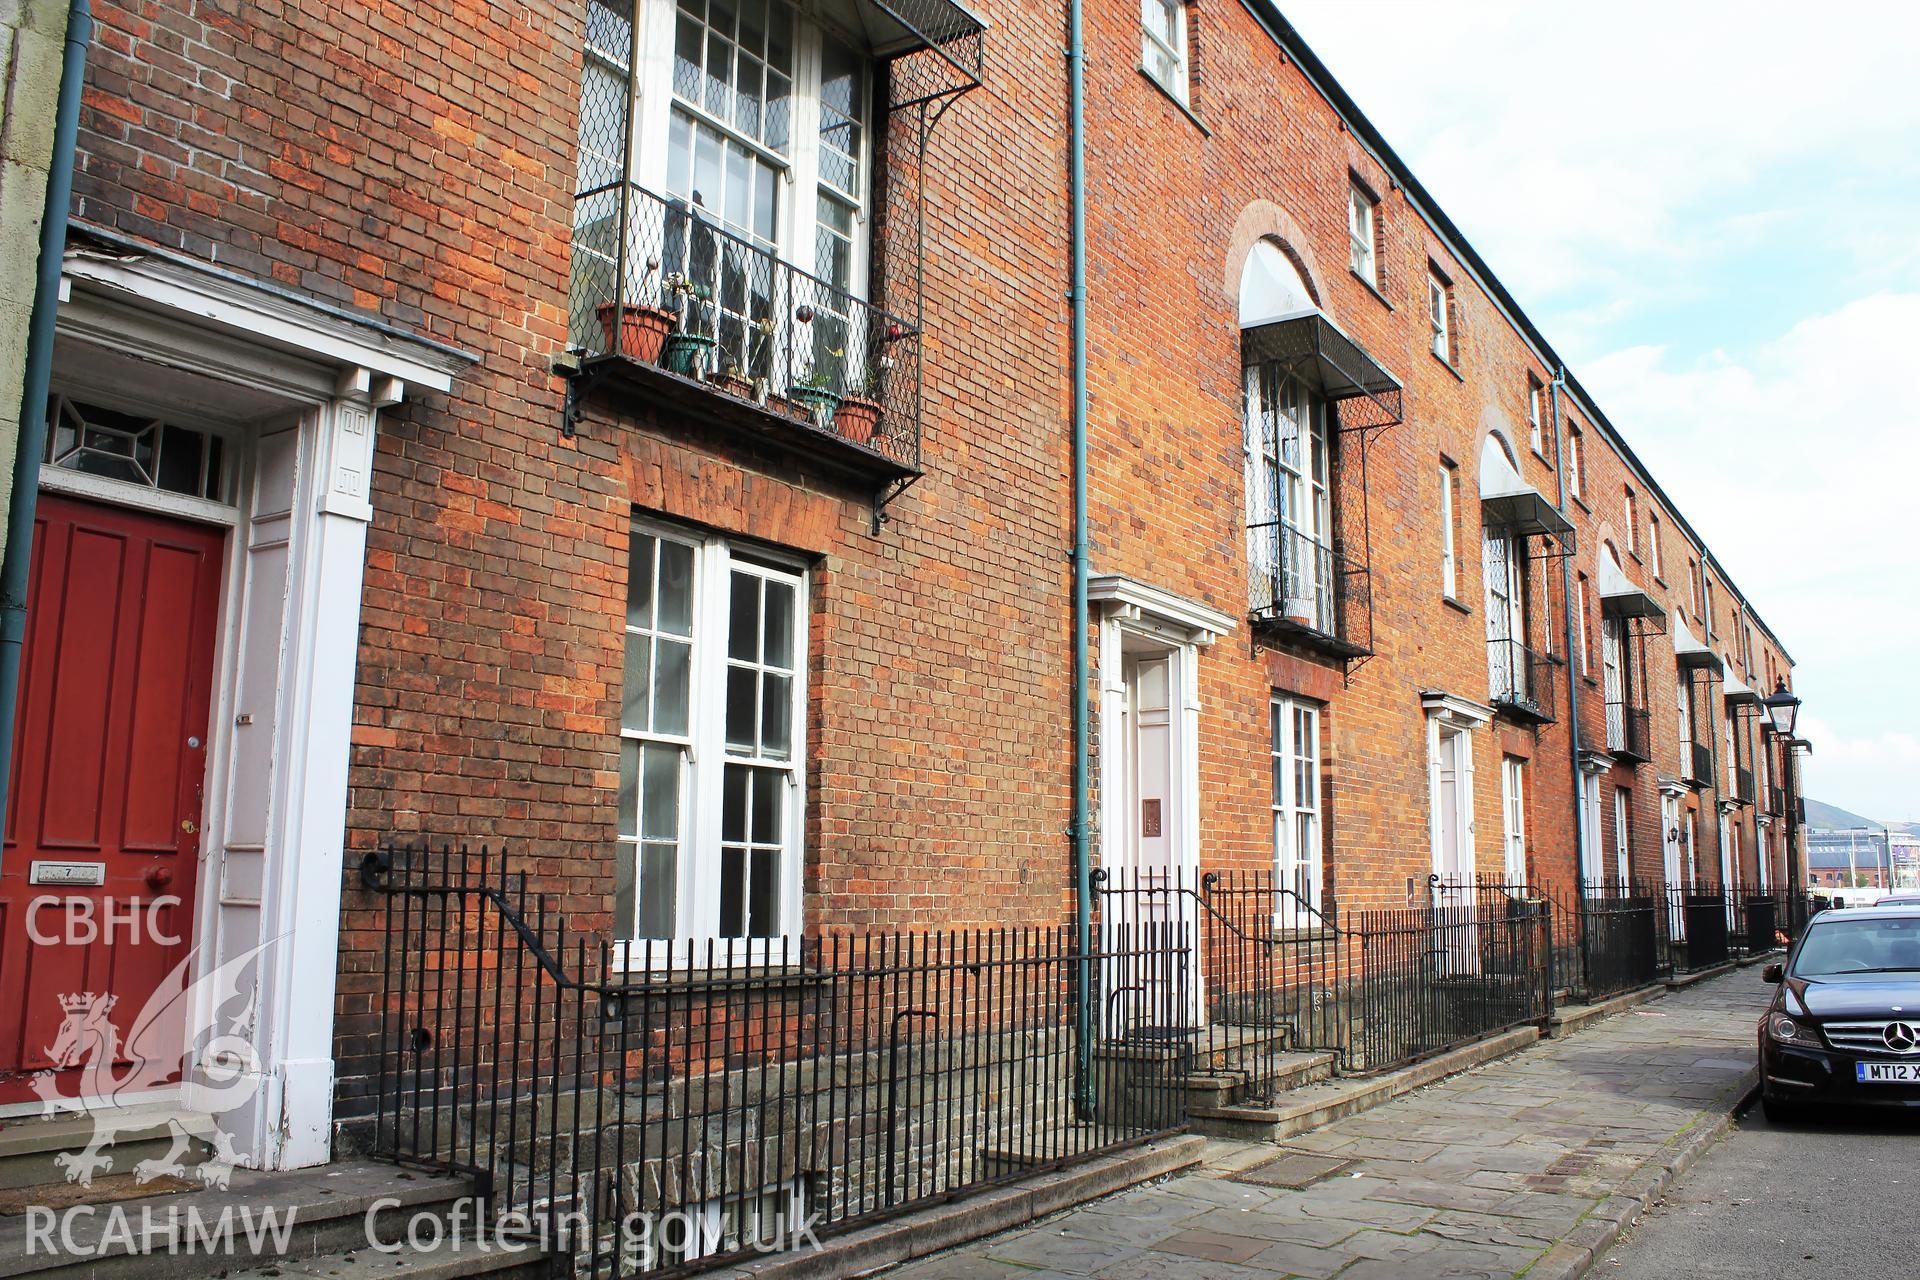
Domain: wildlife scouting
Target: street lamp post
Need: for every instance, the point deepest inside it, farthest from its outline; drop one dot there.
(1783, 708)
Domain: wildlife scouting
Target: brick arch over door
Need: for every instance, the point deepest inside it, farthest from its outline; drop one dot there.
(1264, 220)
(1494, 422)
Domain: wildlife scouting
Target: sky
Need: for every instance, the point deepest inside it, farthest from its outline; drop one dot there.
(1712, 210)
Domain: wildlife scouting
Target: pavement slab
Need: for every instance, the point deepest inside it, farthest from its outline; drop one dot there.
(1481, 1174)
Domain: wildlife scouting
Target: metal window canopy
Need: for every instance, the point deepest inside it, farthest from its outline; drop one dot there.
(1691, 655)
(1622, 598)
(1738, 694)
(936, 46)
(1312, 348)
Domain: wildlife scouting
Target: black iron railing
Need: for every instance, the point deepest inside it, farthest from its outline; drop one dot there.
(1521, 681)
(1629, 731)
(643, 1109)
(1377, 989)
(1700, 764)
(1708, 917)
(1305, 589)
(1777, 801)
(1607, 937)
(1743, 785)
(663, 282)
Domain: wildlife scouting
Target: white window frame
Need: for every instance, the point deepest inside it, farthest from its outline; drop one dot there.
(1513, 802)
(1632, 511)
(1592, 862)
(1684, 705)
(705, 753)
(1656, 557)
(1503, 579)
(1295, 800)
(1289, 499)
(1153, 43)
(796, 219)
(1576, 463)
(1449, 566)
(1439, 317)
(1613, 681)
(1535, 437)
(1622, 836)
(1362, 246)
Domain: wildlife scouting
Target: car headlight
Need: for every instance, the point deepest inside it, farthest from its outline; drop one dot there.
(1787, 1031)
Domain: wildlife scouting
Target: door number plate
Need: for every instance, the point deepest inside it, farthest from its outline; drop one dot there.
(75, 873)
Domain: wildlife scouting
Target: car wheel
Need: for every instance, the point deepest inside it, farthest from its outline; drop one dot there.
(1778, 1112)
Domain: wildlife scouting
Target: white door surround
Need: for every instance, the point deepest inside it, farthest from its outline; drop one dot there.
(1451, 721)
(295, 389)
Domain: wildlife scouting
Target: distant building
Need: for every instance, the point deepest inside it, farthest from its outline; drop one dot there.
(1859, 857)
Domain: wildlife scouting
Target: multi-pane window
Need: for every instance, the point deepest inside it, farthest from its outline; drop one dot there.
(1706, 603)
(1622, 834)
(1535, 394)
(710, 760)
(1576, 463)
(1289, 510)
(1513, 795)
(1613, 681)
(752, 123)
(1583, 638)
(1439, 319)
(1360, 242)
(1631, 510)
(1656, 557)
(1163, 44)
(1693, 589)
(1590, 839)
(1684, 711)
(1295, 750)
(1506, 614)
(135, 448)
(1449, 570)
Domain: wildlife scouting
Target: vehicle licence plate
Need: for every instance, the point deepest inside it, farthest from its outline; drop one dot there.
(1887, 1072)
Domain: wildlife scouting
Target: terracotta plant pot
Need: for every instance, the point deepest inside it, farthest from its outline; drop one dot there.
(856, 418)
(643, 330)
(787, 408)
(735, 385)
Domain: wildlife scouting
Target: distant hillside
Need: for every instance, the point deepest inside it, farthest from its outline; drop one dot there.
(1831, 817)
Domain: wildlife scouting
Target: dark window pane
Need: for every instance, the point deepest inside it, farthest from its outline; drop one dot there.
(733, 873)
(180, 461)
(216, 487)
(659, 890)
(733, 803)
(743, 634)
(660, 793)
(779, 626)
(629, 797)
(763, 896)
(742, 687)
(769, 786)
(623, 857)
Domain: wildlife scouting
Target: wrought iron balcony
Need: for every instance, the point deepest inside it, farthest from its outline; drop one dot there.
(1629, 731)
(1743, 786)
(1304, 591)
(1520, 681)
(1777, 801)
(714, 324)
(1700, 765)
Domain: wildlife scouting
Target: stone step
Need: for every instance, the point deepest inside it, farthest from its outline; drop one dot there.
(1259, 1077)
(271, 1219)
(40, 1150)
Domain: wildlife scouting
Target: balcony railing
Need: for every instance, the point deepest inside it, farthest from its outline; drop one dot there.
(1700, 767)
(705, 309)
(1777, 801)
(1520, 681)
(1743, 785)
(1636, 742)
(1305, 590)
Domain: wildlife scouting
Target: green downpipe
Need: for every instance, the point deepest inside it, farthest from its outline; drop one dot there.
(15, 568)
(1077, 295)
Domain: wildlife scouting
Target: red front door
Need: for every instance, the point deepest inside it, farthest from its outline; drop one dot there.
(103, 820)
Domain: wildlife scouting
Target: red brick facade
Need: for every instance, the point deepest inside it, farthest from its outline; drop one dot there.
(416, 163)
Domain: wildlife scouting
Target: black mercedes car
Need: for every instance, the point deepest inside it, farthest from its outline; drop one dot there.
(1844, 1026)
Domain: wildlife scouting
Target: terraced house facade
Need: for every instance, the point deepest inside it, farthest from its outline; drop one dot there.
(639, 437)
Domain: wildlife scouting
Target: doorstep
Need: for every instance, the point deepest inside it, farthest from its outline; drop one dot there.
(1760, 957)
(1310, 1106)
(1569, 1018)
(975, 1216)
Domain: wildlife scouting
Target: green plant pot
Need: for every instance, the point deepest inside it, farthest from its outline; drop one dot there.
(687, 354)
(820, 402)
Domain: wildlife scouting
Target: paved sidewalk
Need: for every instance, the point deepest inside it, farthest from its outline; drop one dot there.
(1479, 1175)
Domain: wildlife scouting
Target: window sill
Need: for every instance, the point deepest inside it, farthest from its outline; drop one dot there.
(1581, 503)
(1456, 604)
(1370, 287)
(1544, 460)
(1185, 110)
(1446, 364)
(1659, 581)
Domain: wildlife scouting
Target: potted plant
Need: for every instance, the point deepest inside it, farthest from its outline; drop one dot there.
(817, 394)
(636, 330)
(734, 382)
(689, 354)
(859, 411)
(1300, 611)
